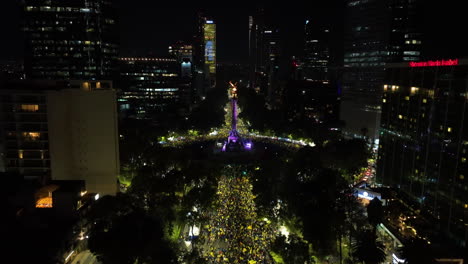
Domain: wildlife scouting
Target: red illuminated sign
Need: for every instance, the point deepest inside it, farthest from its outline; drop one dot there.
(434, 63)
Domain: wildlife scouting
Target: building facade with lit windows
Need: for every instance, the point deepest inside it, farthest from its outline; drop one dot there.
(204, 57)
(24, 130)
(264, 57)
(423, 148)
(184, 55)
(316, 58)
(71, 39)
(60, 130)
(376, 33)
(151, 87)
(209, 35)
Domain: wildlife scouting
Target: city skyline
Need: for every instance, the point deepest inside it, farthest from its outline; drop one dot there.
(243, 133)
(144, 22)
(142, 29)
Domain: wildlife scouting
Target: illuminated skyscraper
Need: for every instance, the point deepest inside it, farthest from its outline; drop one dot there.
(423, 150)
(209, 33)
(204, 57)
(377, 32)
(316, 52)
(73, 39)
(151, 87)
(181, 51)
(264, 55)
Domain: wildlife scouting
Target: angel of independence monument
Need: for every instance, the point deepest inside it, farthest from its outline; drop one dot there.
(235, 143)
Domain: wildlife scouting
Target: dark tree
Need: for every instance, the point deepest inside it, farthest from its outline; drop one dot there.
(311, 193)
(131, 238)
(293, 250)
(367, 249)
(417, 251)
(210, 112)
(375, 212)
(348, 156)
(364, 131)
(120, 232)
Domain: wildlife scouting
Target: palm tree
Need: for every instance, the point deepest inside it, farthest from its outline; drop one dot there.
(367, 249)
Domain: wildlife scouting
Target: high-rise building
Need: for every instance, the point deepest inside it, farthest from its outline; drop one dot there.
(24, 130)
(151, 87)
(315, 62)
(270, 69)
(183, 53)
(83, 137)
(61, 130)
(255, 26)
(311, 102)
(264, 57)
(11, 70)
(204, 57)
(376, 33)
(73, 39)
(423, 148)
(209, 34)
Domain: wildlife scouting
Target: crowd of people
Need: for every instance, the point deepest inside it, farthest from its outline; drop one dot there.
(234, 234)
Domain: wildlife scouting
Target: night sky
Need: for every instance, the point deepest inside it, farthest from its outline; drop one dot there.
(148, 27)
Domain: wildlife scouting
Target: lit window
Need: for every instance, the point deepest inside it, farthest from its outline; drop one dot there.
(414, 53)
(462, 177)
(30, 107)
(449, 129)
(384, 100)
(385, 87)
(407, 98)
(86, 86)
(20, 154)
(45, 202)
(400, 116)
(31, 135)
(463, 159)
(414, 90)
(424, 100)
